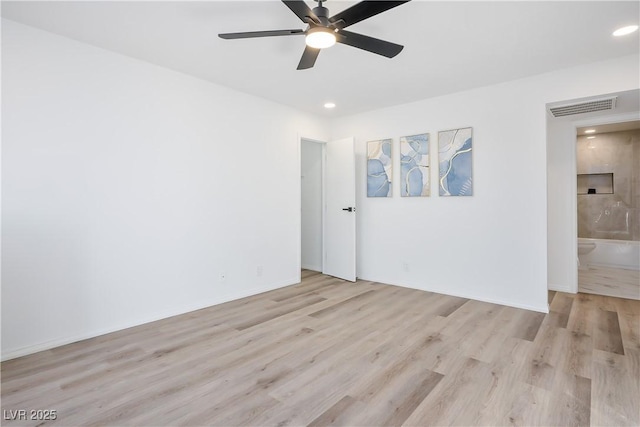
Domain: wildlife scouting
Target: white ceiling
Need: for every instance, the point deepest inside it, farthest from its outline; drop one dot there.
(609, 127)
(449, 46)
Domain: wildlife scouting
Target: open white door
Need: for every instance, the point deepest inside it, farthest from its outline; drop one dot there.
(340, 211)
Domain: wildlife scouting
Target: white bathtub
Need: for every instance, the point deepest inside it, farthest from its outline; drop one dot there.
(609, 253)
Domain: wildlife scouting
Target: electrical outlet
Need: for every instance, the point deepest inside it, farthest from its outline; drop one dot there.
(405, 267)
(259, 271)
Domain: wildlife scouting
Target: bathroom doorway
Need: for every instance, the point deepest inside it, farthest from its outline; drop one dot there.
(562, 175)
(608, 208)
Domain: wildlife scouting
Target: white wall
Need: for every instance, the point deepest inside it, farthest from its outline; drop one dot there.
(128, 189)
(562, 253)
(492, 246)
(311, 188)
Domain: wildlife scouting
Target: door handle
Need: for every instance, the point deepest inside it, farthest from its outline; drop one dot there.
(350, 209)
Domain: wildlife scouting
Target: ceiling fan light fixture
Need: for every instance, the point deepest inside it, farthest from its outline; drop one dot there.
(320, 38)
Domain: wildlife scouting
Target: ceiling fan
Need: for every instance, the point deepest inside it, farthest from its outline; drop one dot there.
(324, 31)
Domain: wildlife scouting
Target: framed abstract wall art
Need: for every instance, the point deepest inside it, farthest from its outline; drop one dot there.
(414, 166)
(379, 168)
(455, 162)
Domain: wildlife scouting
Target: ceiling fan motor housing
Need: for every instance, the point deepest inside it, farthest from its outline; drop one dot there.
(323, 15)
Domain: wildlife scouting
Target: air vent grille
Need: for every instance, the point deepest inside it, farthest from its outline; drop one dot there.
(601, 104)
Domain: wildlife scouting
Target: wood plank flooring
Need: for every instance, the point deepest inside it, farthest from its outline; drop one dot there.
(327, 352)
(613, 282)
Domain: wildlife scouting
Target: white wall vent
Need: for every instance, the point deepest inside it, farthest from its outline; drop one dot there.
(600, 104)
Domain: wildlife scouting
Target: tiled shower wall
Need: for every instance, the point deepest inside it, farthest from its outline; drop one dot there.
(611, 216)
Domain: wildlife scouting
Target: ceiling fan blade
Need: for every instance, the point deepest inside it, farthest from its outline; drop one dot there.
(362, 11)
(300, 8)
(251, 34)
(309, 57)
(381, 47)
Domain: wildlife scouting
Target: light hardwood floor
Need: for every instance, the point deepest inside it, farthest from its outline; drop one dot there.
(613, 282)
(328, 352)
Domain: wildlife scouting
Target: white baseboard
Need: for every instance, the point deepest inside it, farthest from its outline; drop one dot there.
(422, 287)
(47, 345)
(560, 288)
(311, 267)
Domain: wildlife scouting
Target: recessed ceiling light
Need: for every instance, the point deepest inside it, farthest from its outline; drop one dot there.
(590, 137)
(590, 131)
(329, 105)
(625, 30)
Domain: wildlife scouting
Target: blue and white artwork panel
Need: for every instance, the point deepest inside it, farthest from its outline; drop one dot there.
(414, 166)
(455, 162)
(379, 168)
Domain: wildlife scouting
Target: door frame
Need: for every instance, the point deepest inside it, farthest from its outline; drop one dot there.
(299, 196)
(569, 240)
(593, 121)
